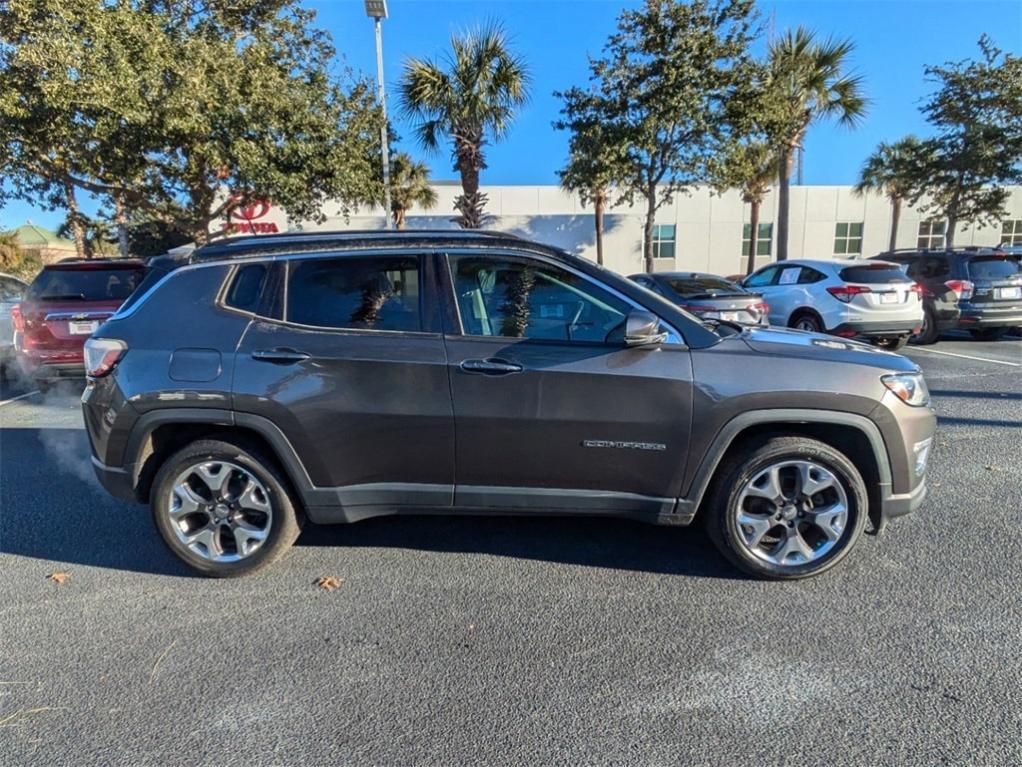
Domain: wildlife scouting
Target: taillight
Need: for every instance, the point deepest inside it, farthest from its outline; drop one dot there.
(918, 289)
(18, 319)
(102, 355)
(847, 292)
(963, 289)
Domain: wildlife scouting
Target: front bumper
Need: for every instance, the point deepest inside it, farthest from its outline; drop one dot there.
(900, 504)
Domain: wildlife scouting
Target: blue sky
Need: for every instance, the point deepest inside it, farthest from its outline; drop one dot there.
(894, 41)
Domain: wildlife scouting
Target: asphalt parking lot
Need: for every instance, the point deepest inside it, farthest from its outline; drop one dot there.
(517, 641)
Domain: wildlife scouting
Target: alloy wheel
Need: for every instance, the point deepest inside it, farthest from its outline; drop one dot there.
(792, 512)
(220, 511)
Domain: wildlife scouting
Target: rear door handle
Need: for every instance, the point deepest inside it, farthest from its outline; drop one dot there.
(279, 356)
(491, 367)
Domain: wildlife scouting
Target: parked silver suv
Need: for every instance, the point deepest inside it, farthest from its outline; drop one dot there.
(872, 300)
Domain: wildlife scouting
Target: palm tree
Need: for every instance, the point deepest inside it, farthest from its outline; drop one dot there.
(760, 164)
(469, 96)
(892, 170)
(807, 81)
(409, 185)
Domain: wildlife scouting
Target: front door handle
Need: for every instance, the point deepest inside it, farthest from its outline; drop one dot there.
(279, 356)
(491, 367)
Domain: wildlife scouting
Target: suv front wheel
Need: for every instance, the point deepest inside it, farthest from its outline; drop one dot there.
(787, 508)
(224, 509)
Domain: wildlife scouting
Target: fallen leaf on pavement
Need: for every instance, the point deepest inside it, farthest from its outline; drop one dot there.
(58, 577)
(329, 582)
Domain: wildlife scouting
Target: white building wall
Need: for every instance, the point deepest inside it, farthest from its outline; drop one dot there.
(708, 226)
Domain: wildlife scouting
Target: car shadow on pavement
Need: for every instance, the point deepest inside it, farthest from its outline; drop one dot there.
(998, 395)
(53, 508)
(588, 541)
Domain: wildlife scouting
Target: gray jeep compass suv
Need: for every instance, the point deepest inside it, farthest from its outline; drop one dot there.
(263, 381)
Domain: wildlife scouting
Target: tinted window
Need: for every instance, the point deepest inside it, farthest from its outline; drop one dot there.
(247, 287)
(530, 299)
(993, 268)
(810, 275)
(702, 285)
(151, 277)
(873, 274)
(88, 284)
(379, 293)
(765, 277)
(928, 267)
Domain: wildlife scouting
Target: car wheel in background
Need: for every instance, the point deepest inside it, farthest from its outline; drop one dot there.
(806, 321)
(928, 332)
(786, 507)
(224, 509)
(988, 334)
(890, 343)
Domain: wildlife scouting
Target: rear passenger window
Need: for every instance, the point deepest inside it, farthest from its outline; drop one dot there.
(247, 287)
(810, 275)
(378, 293)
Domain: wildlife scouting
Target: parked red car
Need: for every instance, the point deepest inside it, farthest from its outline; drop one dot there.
(65, 303)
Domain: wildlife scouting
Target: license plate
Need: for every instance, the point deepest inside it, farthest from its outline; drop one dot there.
(82, 328)
(1008, 292)
(732, 316)
(889, 298)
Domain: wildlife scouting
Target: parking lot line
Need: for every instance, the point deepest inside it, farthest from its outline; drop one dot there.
(970, 357)
(15, 399)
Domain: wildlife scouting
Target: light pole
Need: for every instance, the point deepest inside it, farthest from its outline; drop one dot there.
(377, 10)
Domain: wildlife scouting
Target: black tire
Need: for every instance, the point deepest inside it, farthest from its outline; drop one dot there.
(287, 517)
(890, 343)
(929, 332)
(43, 386)
(988, 334)
(743, 465)
(806, 321)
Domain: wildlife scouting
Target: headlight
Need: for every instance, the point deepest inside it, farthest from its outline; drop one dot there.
(910, 388)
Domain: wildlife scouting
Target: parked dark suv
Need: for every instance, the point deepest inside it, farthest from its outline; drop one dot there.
(976, 289)
(338, 376)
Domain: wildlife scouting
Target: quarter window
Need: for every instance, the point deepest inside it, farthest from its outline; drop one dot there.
(931, 235)
(247, 287)
(1011, 232)
(763, 239)
(380, 293)
(663, 241)
(848, 238)
(520, 298)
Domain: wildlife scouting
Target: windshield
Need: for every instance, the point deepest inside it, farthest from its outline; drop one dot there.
(994, 268)
(702, 285)
(84, 284)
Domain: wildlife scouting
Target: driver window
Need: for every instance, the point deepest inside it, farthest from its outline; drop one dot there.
(520, 298)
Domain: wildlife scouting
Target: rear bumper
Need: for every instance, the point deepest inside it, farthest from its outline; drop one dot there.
(990, 318)
(116, 481)
(50, 364)
(885, 328)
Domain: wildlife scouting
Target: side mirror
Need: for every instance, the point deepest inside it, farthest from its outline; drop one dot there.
(643, 329)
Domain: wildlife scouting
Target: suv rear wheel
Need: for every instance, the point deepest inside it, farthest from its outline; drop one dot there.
(224, 509)
(806, 321)
(928, 332)
(787, 508)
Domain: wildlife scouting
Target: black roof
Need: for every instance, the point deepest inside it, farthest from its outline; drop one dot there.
(297, 242)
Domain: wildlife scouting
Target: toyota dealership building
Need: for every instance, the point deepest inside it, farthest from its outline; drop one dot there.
(698, 231)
